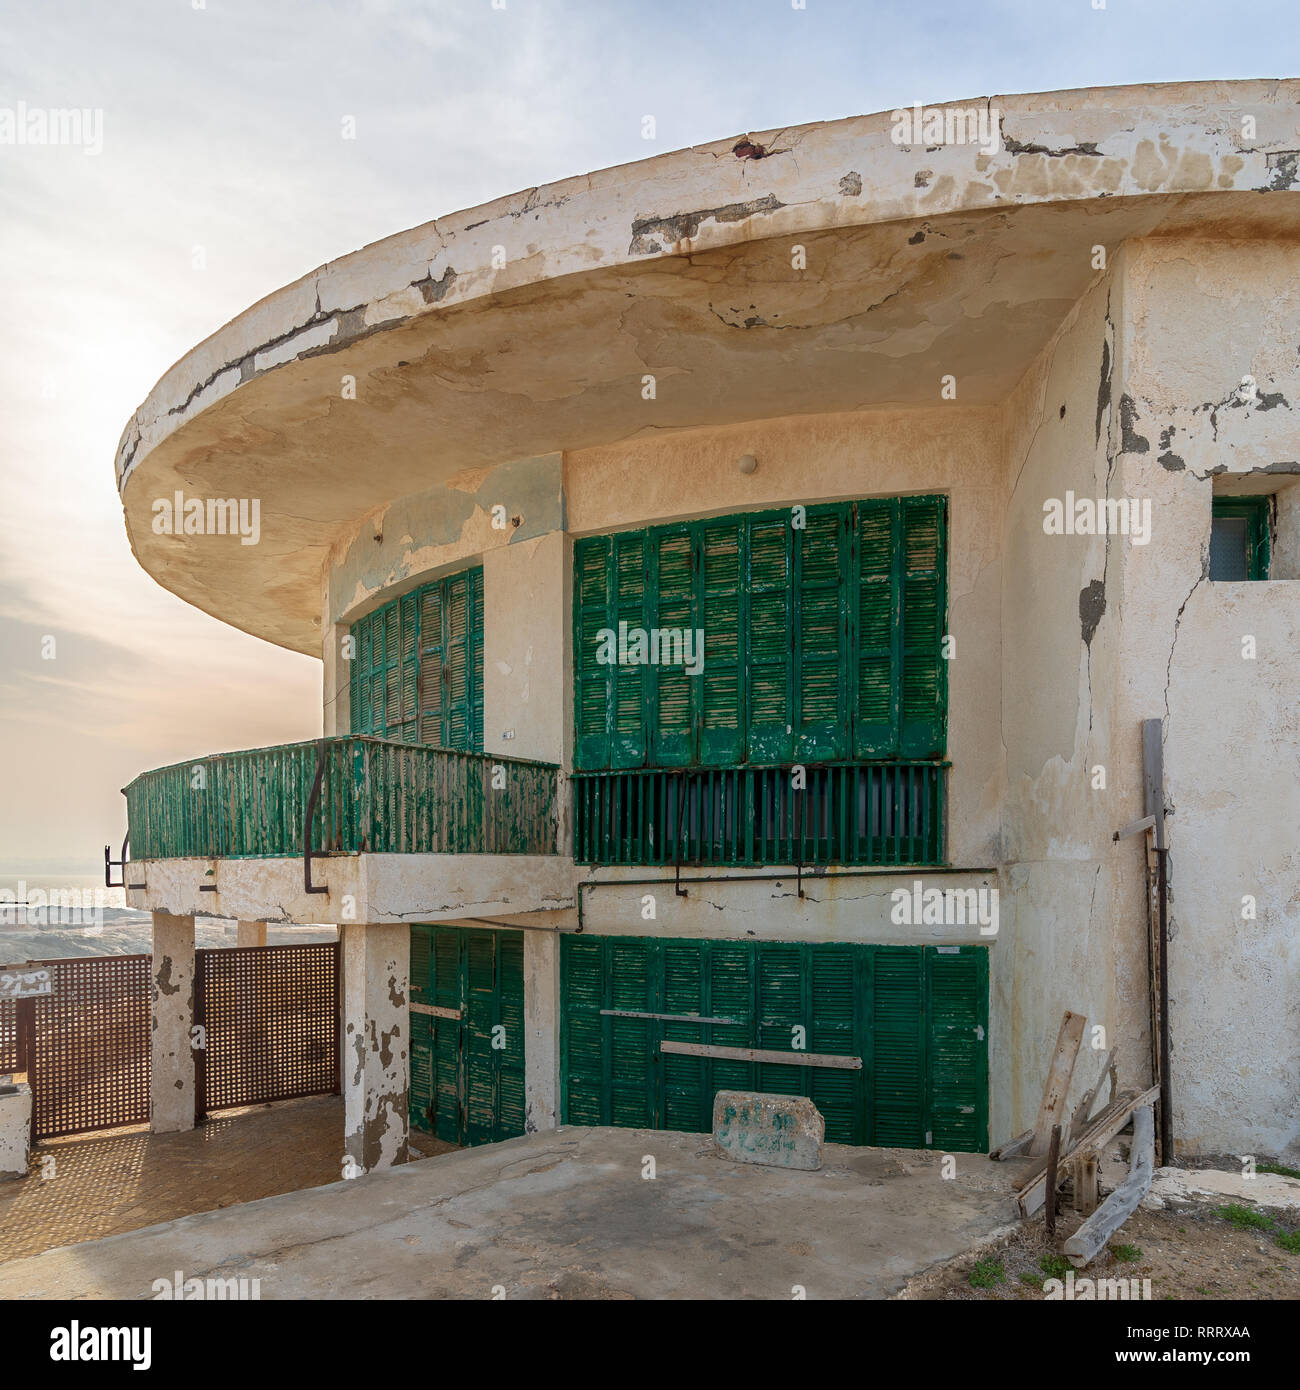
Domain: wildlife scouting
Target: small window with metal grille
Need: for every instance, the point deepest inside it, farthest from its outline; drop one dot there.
(1239, 538)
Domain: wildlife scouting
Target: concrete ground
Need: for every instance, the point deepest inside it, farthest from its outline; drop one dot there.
(568, 1214)
(93, 1185)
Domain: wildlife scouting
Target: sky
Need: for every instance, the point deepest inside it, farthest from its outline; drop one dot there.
(224, 173)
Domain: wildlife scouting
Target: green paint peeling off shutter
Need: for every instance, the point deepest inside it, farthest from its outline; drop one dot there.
(417, 669)
(917, 1016)
(467, 1072)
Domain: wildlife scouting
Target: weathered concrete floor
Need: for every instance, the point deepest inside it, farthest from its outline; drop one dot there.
(567, 1215)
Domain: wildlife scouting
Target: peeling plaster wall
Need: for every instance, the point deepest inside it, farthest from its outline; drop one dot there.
(1073, 907)
(1203, 315)
(375, 1058)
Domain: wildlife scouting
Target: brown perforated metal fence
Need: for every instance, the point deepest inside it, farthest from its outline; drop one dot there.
(269, 1020)
(9, 1059)
(270, 1016)
(87, 1045)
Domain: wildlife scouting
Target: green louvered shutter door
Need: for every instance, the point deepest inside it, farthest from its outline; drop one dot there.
(876, 706)
(406, 729)
(582, 1041)
(671, 688)
(924, 604)
(446, 989)
(456, 713)
(593, 681)
(421, 1101)
(731, 976)
(480, 1016)
(628, 736)
(430, 686)
(684, 1078)
(721, 685)
(821, 636)
(633, 1101)
(782, 1004)
(510, 1058)
(392, 716)
(770, 733)
(957, 1065)
(898, 1048)
(476, 660)
(835, 1026)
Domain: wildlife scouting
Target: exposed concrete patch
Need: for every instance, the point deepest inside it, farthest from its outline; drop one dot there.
(1092, 604)
(1172, 1187)
(654, 235)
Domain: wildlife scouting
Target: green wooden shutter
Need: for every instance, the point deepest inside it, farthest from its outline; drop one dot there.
(446, 989)
(585, 1098)
(821, 551)
(923, 720)
(957, 1063)
(430, 687)
(407, 727)
(457, 693)
(630, 1042)
(875, 733)
(421, 1100)
(770, 643)
(684, 1078)
(722, 687)
(835, 1026)
(631, 684)
(480, 1017)
(510, 1059)
(781, 1004)
(593, 681)
(476, 660)
(670, 689)
(898, 1048)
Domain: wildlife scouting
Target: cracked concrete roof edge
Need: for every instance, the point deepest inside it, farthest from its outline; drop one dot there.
(663, 206)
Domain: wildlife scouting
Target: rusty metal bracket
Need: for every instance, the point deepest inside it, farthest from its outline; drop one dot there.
(677, 847)
(110, 864)
(798, 857)
(322, 746)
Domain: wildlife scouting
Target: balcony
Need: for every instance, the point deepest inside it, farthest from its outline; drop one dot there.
(425, 831)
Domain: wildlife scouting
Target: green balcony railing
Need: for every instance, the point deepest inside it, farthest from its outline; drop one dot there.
(375, 797)
(860, 813)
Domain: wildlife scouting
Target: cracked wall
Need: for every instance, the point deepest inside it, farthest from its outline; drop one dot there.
(1204, 315)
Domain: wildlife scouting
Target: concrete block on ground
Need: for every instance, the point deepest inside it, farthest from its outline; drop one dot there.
(15, 1130)
(779, 1131)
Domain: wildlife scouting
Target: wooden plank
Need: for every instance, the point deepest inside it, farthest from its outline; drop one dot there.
(1090, 1239)
(1059, 1075)
(1038, 1169)
(1100, 1134)
(758, 1054)
(1085, 1182)
(1083, 1111)
(1013, 1146)
(1050, 1178)
(672, 1018)
(434, 1010)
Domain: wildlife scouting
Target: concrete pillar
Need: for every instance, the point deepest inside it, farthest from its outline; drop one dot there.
(541, 1035)
(250, 934)
(172, 1080)
(376, 1057)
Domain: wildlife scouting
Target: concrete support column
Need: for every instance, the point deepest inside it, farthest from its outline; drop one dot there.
(541, 1033)
(250, 934)
(172, 1079)
(376, 1057)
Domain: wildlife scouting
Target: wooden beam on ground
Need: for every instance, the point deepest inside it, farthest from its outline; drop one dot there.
(1013, 1146)
(1090, 1239)
(1057, 1085)
(759, 1054)
(1097, 1136)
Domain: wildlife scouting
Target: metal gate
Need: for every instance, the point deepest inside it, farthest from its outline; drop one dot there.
(85, 1047)
(269, 1017)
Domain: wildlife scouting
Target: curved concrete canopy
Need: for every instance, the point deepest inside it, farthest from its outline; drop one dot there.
(526, 326)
